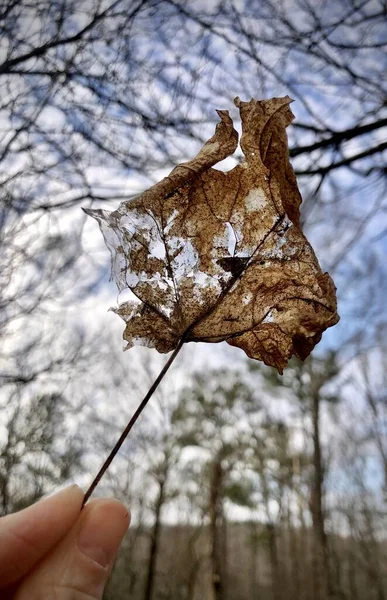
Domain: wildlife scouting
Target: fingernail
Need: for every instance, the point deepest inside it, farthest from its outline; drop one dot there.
(71, 489)
(104, 526)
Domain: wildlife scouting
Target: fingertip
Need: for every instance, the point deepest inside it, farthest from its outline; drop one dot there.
(108, 502)
(83, 561)
(104, 524)
(71, 493)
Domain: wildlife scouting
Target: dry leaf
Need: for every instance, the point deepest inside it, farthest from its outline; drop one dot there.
(213, 256)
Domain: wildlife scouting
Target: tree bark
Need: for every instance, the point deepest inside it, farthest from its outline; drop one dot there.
(254, 564)
(301, 551)
(195, 562)
(352, 576)
(295, 562)
(216, 514)
(155, 538)
(320, 553)
(274, 564)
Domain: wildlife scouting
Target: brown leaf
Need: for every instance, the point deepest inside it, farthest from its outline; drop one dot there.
(213, 256)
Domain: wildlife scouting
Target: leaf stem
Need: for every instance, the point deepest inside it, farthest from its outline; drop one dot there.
(132, 421)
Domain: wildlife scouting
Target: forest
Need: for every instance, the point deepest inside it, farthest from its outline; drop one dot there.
(243, 484)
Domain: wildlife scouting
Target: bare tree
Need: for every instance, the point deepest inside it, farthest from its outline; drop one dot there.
(208, 411)
(34, 456)
(99, 99)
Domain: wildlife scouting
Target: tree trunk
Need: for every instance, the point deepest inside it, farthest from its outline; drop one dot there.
(4, 496)
(276, 580)
(216, 514)
(352, 576)
(301, 551)
(155, 538)
(320, 553)
(295, 562)
(254, 564)
(224, 556)
(371, 553)
(195, 562)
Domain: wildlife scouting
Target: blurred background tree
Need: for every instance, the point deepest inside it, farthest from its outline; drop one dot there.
(99, 99)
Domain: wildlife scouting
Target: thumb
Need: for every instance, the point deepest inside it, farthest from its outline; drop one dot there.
(80, 565)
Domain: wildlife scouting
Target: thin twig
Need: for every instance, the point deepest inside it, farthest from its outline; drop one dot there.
(132, 421)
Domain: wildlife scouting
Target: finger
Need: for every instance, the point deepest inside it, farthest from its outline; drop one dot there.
(80, 566)
(26, 536)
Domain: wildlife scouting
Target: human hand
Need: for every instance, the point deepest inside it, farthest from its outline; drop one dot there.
(54, 551)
